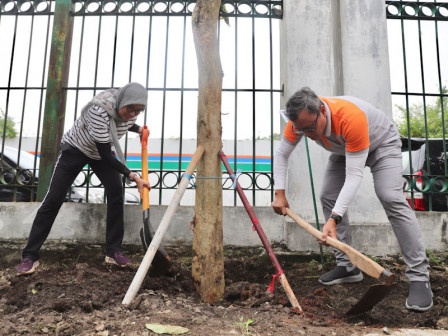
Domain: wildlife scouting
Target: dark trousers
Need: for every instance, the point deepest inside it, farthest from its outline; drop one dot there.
(70, 162)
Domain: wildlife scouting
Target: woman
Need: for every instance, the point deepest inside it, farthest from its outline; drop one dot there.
(103, 121)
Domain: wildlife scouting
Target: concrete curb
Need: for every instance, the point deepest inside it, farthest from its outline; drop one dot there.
(86, 223)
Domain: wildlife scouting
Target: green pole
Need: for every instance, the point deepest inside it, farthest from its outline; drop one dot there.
(314, 199)
(54, 113)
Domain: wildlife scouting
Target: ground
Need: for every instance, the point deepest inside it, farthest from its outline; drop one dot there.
(75, 293)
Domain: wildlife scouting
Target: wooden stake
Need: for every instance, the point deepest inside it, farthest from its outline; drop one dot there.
(161, 230)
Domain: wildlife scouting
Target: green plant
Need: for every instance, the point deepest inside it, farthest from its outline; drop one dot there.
(10, 131)
(328, 258)
(314, 265)
(244, 325)
(375, 259)
(434, 259)
(433, 127)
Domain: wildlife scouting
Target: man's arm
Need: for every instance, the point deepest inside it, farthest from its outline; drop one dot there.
(354, 171)
(281, 157)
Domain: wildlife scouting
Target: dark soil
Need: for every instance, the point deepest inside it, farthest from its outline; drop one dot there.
(75, 293)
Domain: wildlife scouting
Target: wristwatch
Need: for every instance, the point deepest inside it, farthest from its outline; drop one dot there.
(132, 177)
(336, 218)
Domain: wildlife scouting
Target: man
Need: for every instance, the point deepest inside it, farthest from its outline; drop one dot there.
(357, 135)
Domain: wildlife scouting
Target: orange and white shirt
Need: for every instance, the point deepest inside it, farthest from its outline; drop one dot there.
(354, 128)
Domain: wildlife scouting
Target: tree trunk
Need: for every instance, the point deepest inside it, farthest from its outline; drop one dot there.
(208, 259)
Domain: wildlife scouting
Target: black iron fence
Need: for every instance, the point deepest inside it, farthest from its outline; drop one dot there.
(419, 72)
(115, 42)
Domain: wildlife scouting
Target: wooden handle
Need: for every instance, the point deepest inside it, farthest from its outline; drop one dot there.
(289, 293)
(163, 226)
(358, 259)
(144, 142)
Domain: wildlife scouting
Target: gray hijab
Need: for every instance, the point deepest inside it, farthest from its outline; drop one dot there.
(112, 100)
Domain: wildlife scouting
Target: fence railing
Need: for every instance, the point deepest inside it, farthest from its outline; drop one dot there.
(116, 42)
(419, 73)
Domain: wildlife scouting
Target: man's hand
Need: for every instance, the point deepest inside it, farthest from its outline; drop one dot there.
(280, 202)
(141, 184)
(329, 230)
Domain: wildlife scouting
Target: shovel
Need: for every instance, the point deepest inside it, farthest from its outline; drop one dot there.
(374, 293)
(162, 261)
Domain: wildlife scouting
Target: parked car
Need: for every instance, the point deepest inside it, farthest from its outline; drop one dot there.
(22, 179)
(432, 193)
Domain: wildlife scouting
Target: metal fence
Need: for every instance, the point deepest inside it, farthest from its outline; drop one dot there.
(115, 42)
(418, 51)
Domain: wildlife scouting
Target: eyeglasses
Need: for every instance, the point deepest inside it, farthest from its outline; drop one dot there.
(307, 129)
(132, 109)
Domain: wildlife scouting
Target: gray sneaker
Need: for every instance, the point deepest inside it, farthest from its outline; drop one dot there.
(420, 296)
(340, 275)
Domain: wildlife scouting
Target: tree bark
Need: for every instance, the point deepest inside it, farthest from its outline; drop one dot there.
(208, 259)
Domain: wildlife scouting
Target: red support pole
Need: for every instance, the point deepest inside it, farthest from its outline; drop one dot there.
(280, 275)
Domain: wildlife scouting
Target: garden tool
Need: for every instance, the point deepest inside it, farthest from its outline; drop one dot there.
(161, 260)
(280, 274)
(163, 226)
(374, 293)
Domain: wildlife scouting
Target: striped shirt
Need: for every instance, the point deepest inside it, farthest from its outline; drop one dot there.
(94, 127)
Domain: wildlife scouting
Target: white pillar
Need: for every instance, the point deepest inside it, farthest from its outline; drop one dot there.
(336, 47)
(365, 56)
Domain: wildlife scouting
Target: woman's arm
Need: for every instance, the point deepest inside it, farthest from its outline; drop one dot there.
(104, 149)
(106, 154)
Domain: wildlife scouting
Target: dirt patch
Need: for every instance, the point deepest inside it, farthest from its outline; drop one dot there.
(75, 293)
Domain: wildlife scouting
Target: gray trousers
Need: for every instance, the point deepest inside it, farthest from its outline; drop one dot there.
(386, 167)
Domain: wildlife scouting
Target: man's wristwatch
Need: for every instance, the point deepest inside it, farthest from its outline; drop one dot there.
(336, 218)
(132, 177)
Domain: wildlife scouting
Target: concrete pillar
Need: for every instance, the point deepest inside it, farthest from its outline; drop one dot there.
(365, 55)
(336, 47)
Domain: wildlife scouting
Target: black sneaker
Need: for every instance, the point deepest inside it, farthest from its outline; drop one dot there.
(340, 275)
(27, 266)
(420, 296)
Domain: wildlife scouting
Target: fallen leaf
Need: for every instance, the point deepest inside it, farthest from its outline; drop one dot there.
(33, 291)
(166, 329)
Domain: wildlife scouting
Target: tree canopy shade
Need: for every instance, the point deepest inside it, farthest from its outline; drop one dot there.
(10, 130)
(432, 127)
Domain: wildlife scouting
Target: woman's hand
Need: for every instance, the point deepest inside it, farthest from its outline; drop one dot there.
(140, 132)
(141, 184)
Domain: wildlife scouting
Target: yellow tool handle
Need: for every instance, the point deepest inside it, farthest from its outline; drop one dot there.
(144, 141)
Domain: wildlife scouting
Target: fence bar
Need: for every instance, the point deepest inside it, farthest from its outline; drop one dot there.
(422, 72)
(441, 88)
